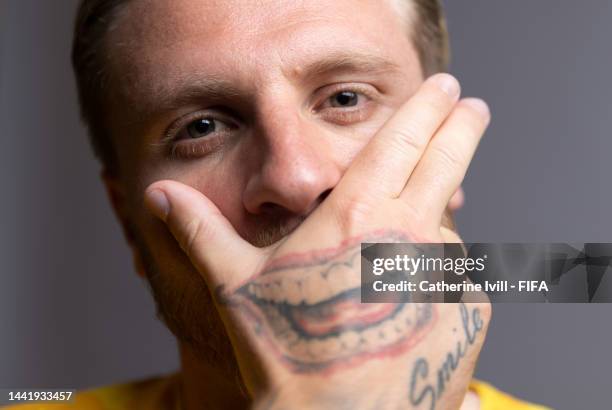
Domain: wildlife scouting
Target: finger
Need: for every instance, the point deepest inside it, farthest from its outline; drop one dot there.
(445, 162)
(457, 200)
(206, 236)
(448, 220)
(386, 163)
(450, 236)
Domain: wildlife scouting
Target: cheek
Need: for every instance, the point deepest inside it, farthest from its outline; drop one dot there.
(220, 180)
(357, 137)
(164, 252)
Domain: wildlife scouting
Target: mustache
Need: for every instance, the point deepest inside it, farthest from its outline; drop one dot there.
(270, 231)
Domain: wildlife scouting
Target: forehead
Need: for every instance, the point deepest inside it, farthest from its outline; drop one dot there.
(168, 39)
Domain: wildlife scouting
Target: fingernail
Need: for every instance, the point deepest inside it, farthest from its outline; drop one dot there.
(478, 105)
(447, 83)
(158, 203)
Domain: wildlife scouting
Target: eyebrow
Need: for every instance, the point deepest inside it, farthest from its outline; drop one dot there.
(343, 61)
(193, 88)
(190, 90)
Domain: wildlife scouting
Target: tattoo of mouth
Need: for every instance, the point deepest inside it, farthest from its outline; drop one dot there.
(308, 308)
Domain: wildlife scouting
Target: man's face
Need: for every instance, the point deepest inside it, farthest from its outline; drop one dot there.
(260, 105)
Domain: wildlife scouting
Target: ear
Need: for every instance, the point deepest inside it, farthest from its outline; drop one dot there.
(115, 191)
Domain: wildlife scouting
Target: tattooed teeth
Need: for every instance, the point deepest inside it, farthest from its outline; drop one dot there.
(350, 340)
(311, 288)
(399, 325)
(273, 293)
(317, 348)
(292, 293)
(388, 329)
(288, 336)
(370, 336)
(314, 289)
(337, 283)
(331, 346)
(299, 349)
(308, 284)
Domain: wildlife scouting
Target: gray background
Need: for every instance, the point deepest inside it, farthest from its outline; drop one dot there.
(73, 313)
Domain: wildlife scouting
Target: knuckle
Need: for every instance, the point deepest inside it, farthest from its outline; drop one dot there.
(414, 216)
(418, 224)
(407, 139)
(449, 157)
(351, 214)
(191, 232)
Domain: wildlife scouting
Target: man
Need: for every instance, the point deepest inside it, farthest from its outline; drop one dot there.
(248, 148)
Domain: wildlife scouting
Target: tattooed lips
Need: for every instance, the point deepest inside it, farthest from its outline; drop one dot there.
(315, 318)
(333, 316)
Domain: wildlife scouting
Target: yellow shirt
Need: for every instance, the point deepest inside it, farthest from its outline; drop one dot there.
(162, 394)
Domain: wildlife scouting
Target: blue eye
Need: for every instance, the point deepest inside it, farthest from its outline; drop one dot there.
(344, 99)
(201, 127)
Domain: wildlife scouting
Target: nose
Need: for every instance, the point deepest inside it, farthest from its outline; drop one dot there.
(295, 170)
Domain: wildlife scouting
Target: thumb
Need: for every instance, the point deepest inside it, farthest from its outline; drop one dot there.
(206, 236)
